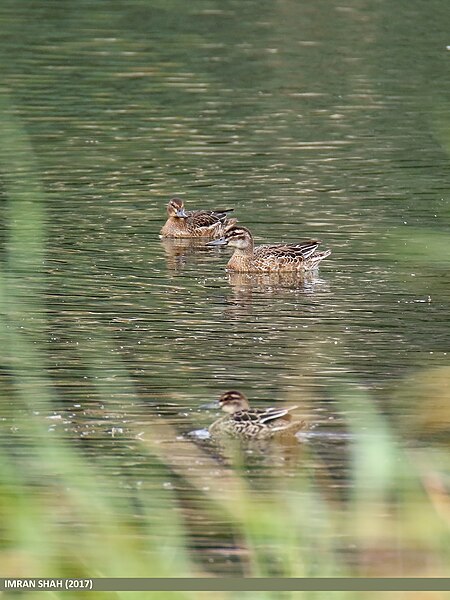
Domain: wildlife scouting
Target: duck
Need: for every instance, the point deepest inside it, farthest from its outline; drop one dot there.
(247, 423)
(194, 223)
(269, 258)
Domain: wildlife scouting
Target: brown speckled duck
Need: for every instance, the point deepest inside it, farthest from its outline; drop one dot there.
(270, 258)
(194, 223)
(244, 422)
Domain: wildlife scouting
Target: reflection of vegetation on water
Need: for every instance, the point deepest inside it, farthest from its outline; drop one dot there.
(70, 507)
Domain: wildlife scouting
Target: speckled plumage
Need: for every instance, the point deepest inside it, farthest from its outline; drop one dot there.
(194, 223)
(269, 258)
(253, 423)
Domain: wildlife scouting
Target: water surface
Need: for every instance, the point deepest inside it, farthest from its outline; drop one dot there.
(311, 120)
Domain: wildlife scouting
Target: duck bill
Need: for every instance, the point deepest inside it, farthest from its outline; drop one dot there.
(182, 213)
(220, 242)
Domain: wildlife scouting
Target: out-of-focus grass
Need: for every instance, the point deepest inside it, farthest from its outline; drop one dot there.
(59, 516)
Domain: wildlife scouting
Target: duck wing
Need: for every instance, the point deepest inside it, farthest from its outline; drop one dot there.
(207, 218)
(302, 250)
(263, 416)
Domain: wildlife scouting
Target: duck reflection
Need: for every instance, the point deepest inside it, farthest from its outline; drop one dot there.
(178, 251)
(249, 286)
(285, 455)
(273, 282)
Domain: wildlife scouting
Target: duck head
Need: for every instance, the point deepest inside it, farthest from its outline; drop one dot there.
(233, 401)
(235, 236)
(175, 208)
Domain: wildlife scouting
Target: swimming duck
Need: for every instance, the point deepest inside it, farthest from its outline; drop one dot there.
(244, 422)
(194, 223)
(270, 258)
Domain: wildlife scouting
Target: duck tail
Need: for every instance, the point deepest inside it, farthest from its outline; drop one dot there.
(313, 261)
(230, 223)
(222, 215)
(289, 429)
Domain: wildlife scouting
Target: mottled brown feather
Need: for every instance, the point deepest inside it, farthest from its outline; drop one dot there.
(301, 256)
(253, 423)
(196, 223)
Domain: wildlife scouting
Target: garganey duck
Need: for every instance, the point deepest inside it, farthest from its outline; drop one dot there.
(244, 422)
(270, 258)
(194, 223)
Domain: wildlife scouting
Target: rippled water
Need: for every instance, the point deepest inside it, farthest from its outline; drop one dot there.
(311, 120)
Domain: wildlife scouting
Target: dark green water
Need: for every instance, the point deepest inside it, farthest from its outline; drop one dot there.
(311, 119)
